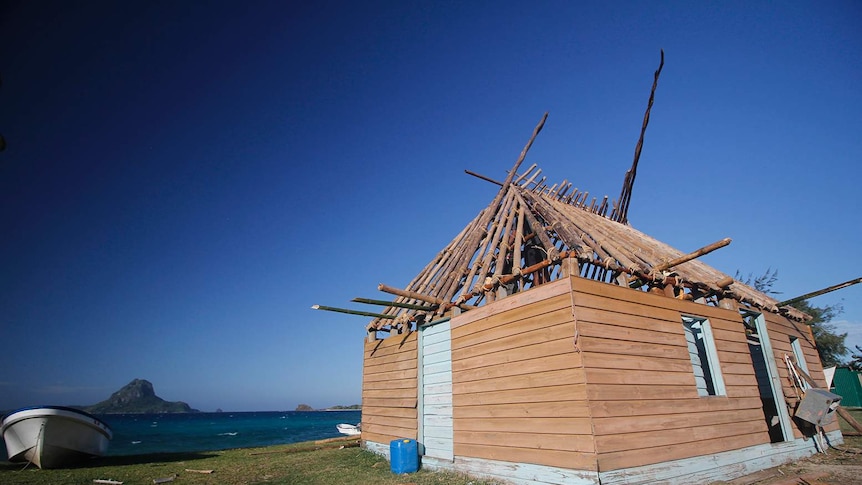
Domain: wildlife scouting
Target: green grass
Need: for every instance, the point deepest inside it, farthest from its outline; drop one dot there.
(857, 415)
(303, 463)
(297, 464)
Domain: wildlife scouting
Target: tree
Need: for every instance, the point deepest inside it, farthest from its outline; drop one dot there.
(830, 345)
(855, 362)
(762, 283)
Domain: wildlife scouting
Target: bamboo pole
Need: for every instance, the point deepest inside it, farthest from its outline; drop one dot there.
(603, 248)
(419, 296)
(628, 184)
(586, 195)
(692, 255)
(504, 246)
(428, 275)
(596, 264)
(604, 236)
(473, 242)
(499, 234)
(532, 180)
(452, 274)
(536, 226)
(394, 304)
(478, 255)
(821, 292)
(519, 240)
(351, 312)
(445, 276)
(410, 294)
(562, 194)
(486, 179)
(520, 179)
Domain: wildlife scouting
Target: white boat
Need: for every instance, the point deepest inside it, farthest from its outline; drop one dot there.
(349, 429)
(54, 436)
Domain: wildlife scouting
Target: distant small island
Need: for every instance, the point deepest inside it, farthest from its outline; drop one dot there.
(138, 397)
(306, 407)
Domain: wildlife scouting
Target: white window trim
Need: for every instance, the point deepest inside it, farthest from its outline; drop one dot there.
(800, 359)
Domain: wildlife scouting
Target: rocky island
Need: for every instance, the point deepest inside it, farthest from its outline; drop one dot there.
(138, 397)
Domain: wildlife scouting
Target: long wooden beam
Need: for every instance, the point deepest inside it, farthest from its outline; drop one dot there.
(395, 304)
(486, 179)
(692, 255)
(418, 296)
(409, 294)
(351, 312)
(629, 181)
(820, 292)
(475, 239)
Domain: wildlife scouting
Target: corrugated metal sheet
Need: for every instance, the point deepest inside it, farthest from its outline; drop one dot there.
(847, 386)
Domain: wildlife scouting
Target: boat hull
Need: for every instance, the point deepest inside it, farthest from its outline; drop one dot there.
(349, 429)
(54, 436)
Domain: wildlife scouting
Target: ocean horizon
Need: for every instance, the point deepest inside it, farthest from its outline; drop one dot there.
(136, 434)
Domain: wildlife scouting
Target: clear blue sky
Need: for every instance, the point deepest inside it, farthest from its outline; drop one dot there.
(184, 180)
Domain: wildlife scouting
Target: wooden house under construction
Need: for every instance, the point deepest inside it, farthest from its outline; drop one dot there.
(552, 343)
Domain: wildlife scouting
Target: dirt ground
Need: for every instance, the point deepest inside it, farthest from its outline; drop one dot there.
(838, 466)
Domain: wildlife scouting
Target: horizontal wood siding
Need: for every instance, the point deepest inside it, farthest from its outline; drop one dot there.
(390, 389)
(641, 386)
(519, 392)
(780, 331)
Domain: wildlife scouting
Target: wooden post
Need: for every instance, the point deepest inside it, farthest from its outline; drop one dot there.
(570, 267)
(728, 304)
(692, 255)
(724, 282)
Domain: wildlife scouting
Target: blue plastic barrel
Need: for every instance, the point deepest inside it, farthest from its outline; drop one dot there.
(404, 455)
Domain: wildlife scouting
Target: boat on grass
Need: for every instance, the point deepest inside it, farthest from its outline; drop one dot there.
(349, 429)
(54, 436)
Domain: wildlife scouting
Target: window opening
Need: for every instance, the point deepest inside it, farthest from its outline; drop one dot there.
(766, 373)
(704, 357)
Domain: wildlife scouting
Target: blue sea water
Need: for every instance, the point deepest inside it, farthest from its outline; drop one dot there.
(168, 433)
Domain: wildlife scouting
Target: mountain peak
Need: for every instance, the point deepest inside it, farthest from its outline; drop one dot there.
(138, 396)
(137, 389)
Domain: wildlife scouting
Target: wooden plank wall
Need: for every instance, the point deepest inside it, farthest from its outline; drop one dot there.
(780, 331)
(641, 387)
(518, 383)
(389, 389)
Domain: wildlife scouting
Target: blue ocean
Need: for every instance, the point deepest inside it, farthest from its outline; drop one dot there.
(169, 433)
